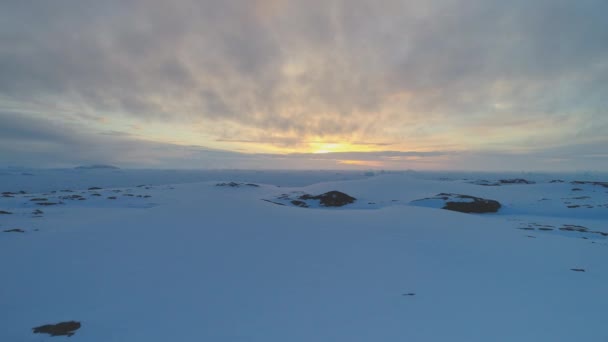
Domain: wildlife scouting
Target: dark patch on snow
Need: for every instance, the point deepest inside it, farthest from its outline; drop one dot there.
(3, 212)
(298, 203)
(59, 329)
(95, 188)
(484, 182)
(331, 199)
(112, 197)
(603, 184)
(515, 181)
(578, 269)
(237, 185)
(72, 197)
(304, 200)
(269, 201)
(564, 228)
(500, 182)
(39, 199)
(465, 203)
(478, 205)
(48, 203)
(14, 230)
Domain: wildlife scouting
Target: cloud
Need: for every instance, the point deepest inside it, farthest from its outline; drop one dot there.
(409, 74)
(34, 142)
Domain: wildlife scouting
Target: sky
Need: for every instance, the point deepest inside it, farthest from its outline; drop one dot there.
(305, 84)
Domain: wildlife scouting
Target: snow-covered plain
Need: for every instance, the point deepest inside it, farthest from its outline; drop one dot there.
(171, 256)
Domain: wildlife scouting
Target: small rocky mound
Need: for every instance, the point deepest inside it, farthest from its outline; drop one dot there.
(461, 203)
(331, 199)
(59, 329)
(3, 212)
(304, 200)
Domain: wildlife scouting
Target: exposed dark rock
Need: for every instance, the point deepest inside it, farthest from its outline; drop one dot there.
(269, 201)
(95, 188)
(71, 197)
(475, 205)
(14, 230)
(112, 197)
(581, 229)
(299, 203)
(59, 329)
(557, 181)
(47, 203)
(465, 203)
(577, 189)
(500, 182)
(515, 181)
(2, 212)
(237, 185)
(411, 294)
(39, 199)
(484, 182)
(96, 194)
(578, 269)
(37, 212)
(331, 199)
(604, 184)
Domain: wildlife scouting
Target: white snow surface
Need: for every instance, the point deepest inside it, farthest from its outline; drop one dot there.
(191, 261)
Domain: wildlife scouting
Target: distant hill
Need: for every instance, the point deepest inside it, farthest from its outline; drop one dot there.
(97, 167)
